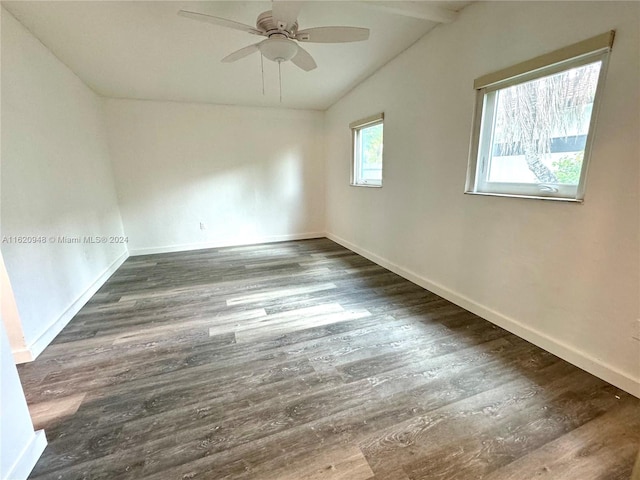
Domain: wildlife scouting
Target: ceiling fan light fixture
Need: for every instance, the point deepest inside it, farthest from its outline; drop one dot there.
(278, 49)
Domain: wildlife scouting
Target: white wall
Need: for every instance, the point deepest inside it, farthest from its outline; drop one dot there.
(21, 446)
(562, 275)
(248, 174)
(56, 181)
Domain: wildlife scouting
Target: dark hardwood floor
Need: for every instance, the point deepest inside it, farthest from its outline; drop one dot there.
(303, 360)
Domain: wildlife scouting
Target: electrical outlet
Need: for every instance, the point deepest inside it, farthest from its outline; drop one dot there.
(202, 226)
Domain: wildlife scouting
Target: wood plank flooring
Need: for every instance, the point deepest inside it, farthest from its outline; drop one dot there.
(303, 360)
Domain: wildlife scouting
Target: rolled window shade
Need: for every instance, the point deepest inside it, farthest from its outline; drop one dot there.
(595, 44)
(367, 121)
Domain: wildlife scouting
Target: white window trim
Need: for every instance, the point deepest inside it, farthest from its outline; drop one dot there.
(356, 127)
(588, 51)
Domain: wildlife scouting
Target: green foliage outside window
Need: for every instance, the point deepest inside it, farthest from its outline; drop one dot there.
(372, 143)
(567, 169)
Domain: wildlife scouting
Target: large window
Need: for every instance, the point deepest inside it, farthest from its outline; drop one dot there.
(366, 160)
(534, 124)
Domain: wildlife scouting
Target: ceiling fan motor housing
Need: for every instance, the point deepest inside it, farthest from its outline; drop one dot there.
(267, 24)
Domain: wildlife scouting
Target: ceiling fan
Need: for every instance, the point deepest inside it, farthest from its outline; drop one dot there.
(280, 26)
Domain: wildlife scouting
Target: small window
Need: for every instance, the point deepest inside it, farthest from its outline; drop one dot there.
(366, 161)
(534, 124)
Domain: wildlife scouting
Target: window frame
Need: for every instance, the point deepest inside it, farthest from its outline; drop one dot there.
(356, 160)
(597, 50)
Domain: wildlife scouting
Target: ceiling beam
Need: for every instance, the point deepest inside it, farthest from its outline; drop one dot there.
(422, 10)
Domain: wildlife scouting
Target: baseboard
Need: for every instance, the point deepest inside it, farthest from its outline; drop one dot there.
(22, 355)
(28, 457)
(567, 352)
(36, 347)
(225, 243)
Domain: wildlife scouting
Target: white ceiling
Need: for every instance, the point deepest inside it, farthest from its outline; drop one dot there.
(143, 50)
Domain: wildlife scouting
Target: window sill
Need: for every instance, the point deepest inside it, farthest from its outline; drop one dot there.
(532, 197)
(366, 185)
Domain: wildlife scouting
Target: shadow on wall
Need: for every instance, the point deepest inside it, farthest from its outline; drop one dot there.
(224, 203)
(71, 252)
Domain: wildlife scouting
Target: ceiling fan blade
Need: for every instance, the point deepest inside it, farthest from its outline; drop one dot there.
(285, 12)
(333, 34)
(222, 22)
(303, 60)
(243, 52)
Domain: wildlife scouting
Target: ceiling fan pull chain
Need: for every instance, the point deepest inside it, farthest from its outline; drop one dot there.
(262, 68)
(280, 78)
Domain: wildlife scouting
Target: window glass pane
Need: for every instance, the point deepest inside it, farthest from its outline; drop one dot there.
(540, 128)
(370, 168)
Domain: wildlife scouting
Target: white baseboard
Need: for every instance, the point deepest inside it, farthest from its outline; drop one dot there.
(225, 243)
(28, 457)
(567, 352)
(36, 347)
(22, 355)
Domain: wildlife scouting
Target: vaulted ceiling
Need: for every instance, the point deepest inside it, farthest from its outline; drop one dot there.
(144, 50)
